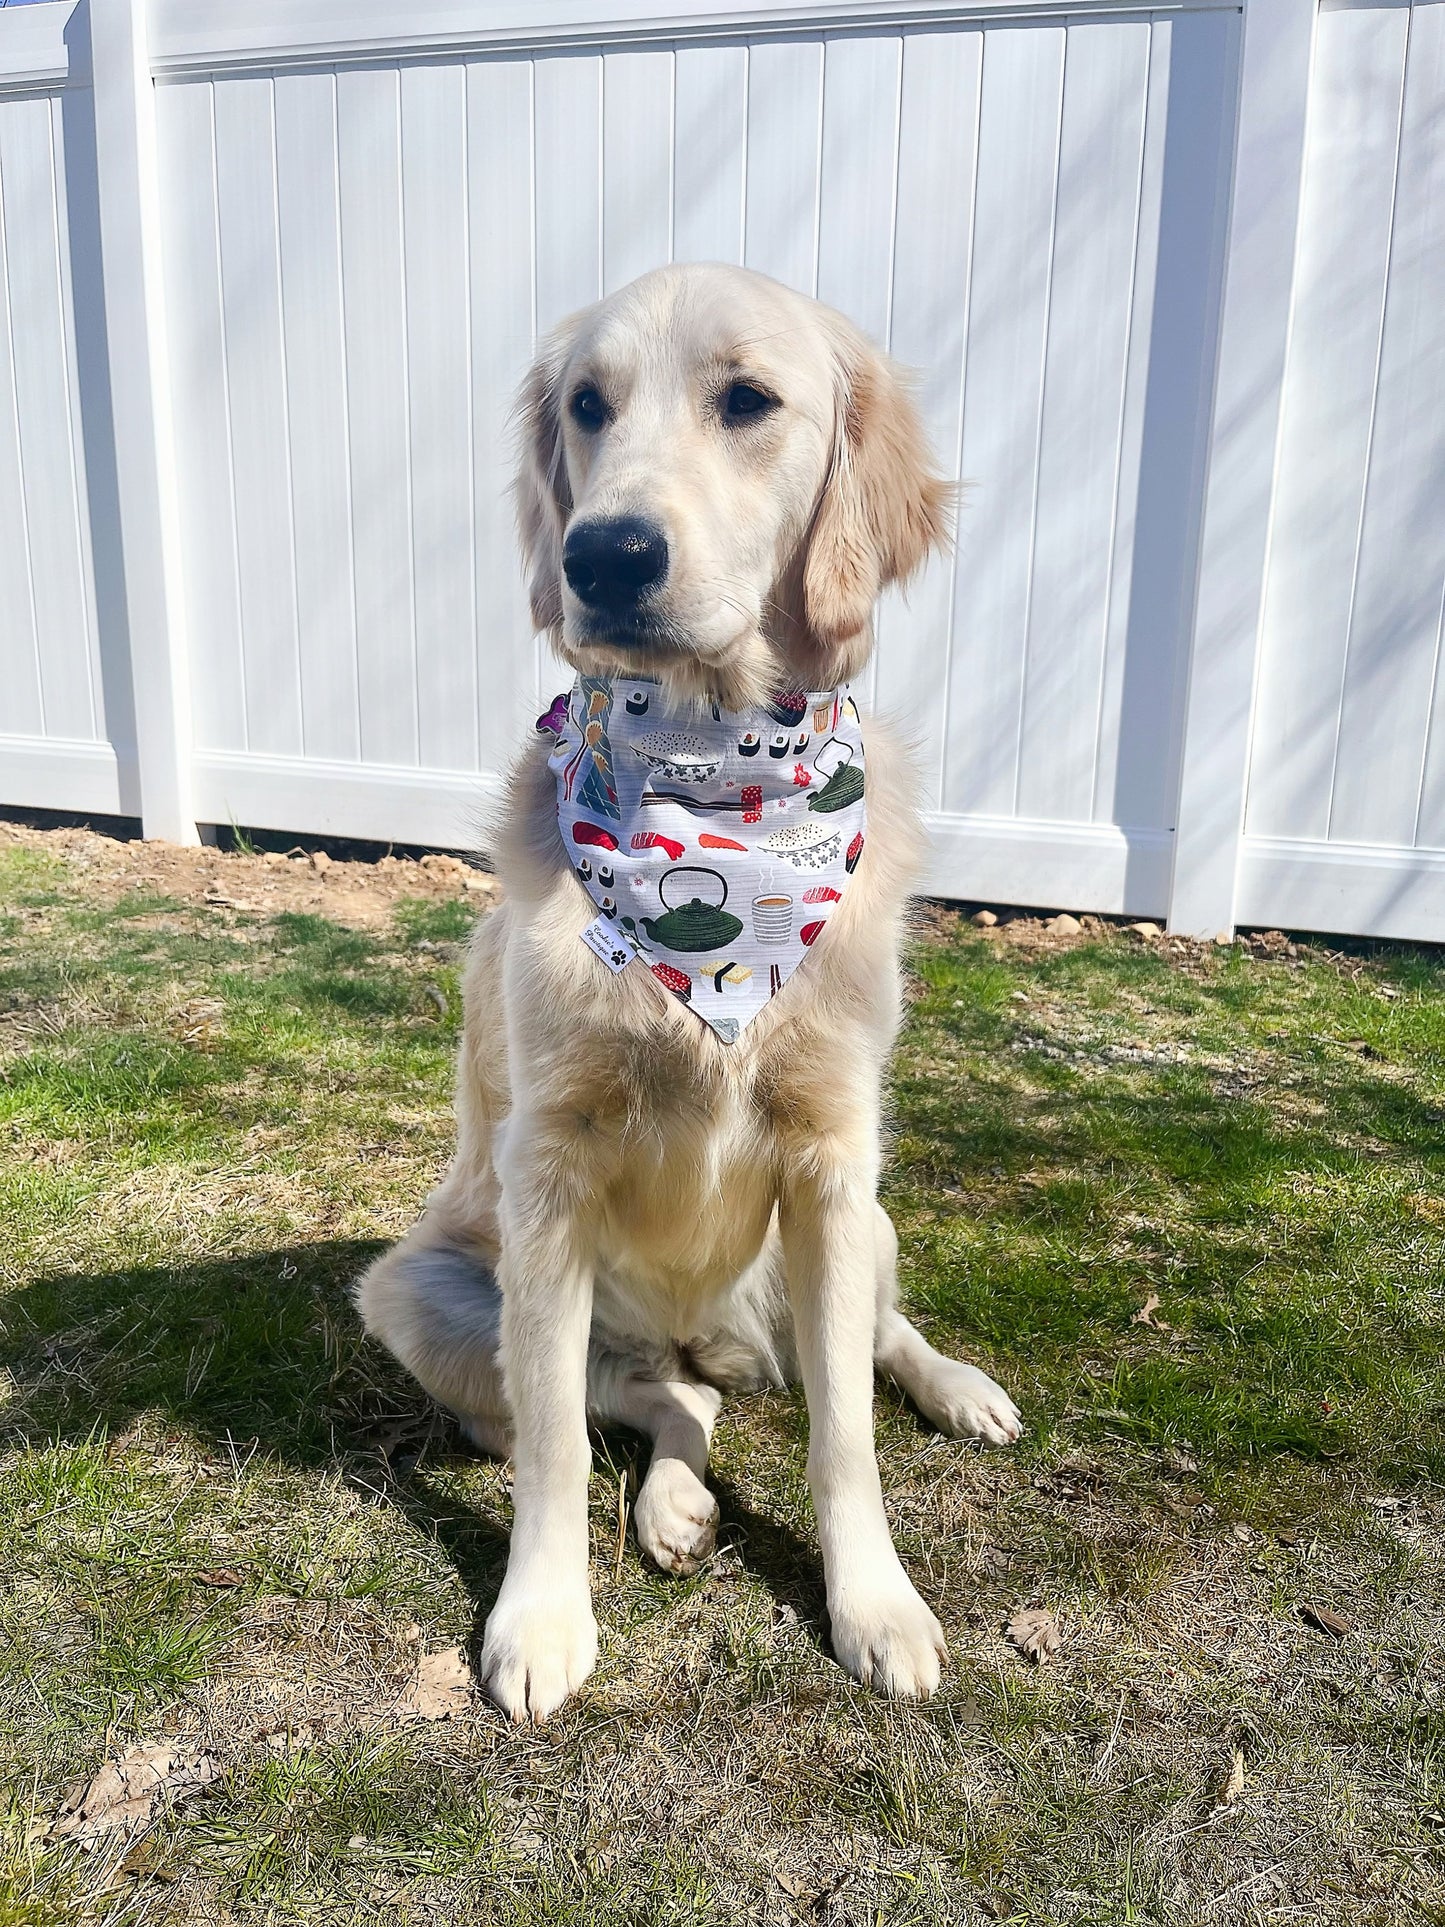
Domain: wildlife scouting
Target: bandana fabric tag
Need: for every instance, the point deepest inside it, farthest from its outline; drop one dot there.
(716, 844)
(602, 940)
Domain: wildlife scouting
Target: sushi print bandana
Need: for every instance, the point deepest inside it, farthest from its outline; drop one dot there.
(715, 844)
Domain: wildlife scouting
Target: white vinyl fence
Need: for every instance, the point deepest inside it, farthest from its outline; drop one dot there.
(1173, 278)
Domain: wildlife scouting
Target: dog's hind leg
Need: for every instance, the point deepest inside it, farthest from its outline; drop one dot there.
(438, 1309)
(675, 1514)
(959, 1399)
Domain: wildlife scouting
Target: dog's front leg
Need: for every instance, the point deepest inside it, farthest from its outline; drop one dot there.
(882, 1631)
(541, 1637)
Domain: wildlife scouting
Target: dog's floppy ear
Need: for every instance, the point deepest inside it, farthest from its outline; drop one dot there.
(544, 498)
(882, 509)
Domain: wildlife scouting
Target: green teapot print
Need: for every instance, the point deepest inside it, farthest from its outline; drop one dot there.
(696, 924)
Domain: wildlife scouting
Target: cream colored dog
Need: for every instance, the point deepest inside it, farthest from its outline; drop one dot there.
(718, 477)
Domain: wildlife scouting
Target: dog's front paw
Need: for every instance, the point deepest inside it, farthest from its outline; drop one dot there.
(966, 1403)
(676, 1517)
(538, 1648)
(888, 1639)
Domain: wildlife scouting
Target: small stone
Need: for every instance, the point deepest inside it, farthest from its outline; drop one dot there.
(1223, 936)
(983, 919)
(1063, 925)
(1148, 931)
(320, 861)
(481, 884)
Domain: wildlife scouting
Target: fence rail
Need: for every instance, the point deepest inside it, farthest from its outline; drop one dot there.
(269, 274)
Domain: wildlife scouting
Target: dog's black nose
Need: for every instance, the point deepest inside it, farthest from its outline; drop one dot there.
(613, 565)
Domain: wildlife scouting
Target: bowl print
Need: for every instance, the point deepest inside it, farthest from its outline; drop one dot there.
(682, 759)
(807, 846)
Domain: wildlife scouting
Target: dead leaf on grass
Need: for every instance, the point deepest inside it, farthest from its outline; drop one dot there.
(1233, 1784)
(126, 1792)
(1325, 1621)
(222, 1578)
(440, 1689)
(1145, 1314)
(1035, 1632)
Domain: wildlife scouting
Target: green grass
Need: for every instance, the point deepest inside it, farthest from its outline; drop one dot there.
(228, 1523)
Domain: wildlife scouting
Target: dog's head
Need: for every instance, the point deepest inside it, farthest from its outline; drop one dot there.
(718, 477)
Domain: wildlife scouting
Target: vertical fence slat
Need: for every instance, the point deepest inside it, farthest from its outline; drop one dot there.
(785, 104)
(438, 288)
(709, 149)
(1100, 151)
(499, 148)
(1394, 631)
(369, 135)
(247, 205)
(637, 150)
(310, 237)
(1327, 415)
(21, 708)
(1023, 73)
(937, 153)
(1254, 329)
(200, 388)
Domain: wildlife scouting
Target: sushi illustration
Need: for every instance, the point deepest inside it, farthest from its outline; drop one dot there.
(778, 747)
(855, 850)
(673, 979)
(789, 709)
(807, 846)
(655, 840)
(707, 841)
(681, 758)
(809, 932)
(593, 834)
(749, 743)
(637, 700)
(822, 893)
(724, 976)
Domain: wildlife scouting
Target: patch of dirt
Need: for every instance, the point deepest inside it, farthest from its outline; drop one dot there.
(358, 893)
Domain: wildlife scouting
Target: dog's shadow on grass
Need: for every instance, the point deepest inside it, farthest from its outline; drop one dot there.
(264, 1353)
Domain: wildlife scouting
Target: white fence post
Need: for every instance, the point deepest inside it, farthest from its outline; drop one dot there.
(1249, 376)
(125, 149)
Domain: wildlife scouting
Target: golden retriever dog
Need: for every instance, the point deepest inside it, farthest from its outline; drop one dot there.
(718, 476)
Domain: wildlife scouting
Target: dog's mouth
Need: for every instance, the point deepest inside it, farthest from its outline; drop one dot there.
(639, 632)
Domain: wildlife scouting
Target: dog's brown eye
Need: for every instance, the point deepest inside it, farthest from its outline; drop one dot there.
(742, 401)
(588, 408)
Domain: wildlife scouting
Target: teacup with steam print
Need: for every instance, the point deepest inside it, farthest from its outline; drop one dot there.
(772, 913)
